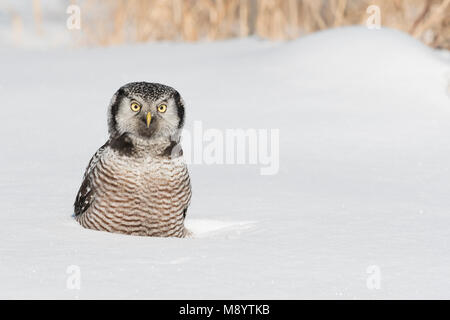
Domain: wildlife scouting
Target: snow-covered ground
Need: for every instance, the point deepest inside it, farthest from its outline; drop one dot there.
(363, 183)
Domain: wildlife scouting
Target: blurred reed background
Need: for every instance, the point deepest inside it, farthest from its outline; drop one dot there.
(114, 22)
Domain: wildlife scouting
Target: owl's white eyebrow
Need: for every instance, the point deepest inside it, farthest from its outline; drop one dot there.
(164, 99)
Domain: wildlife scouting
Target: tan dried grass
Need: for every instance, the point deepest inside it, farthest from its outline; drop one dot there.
(119, 21)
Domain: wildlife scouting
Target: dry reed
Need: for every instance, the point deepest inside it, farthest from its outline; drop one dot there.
(114, 22)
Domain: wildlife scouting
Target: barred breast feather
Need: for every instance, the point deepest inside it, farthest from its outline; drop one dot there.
(143, 195)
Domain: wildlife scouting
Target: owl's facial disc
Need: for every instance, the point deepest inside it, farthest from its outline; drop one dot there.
(148, 111)
(147, 119)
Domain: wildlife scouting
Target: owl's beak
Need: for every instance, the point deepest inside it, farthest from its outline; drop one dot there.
(149, 119)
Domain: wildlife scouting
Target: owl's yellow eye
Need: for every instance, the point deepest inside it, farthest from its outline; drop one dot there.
(135, 107)
(162, 108)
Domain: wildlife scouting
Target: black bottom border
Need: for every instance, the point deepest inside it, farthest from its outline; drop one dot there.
(231, 309)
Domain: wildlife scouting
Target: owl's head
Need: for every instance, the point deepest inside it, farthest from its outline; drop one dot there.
(144, 110)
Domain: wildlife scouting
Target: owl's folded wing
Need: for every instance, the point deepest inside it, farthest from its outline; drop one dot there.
(85, 195)
(84, 198)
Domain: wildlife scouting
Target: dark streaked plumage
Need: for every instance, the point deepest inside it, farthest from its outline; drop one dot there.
(138, 183)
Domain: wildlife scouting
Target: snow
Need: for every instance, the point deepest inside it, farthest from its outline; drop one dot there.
(19, 28)
(363, 181)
